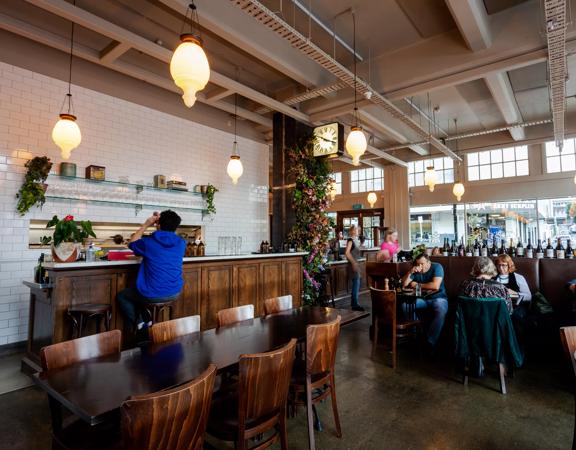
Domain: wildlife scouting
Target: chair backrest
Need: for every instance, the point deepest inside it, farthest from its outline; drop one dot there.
(264, 379)
(173, 419)
(64, 354)
(383, 306)
(321, 346)
(277, 304)
(568, 336)
(232, 315)
(171, 329)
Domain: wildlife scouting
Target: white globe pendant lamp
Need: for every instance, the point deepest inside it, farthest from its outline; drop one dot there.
(372, 199)
(458, 190)
(235, 169)
(430, 178)
(66, 132)
(189, 65)
(332, 190)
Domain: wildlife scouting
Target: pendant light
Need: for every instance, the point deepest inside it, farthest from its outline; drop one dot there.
(356, 141)
(189, 66)
(235, 168)
(430, 178)
(332, 190)
(66, 133)
(458, 188)
(372, 198)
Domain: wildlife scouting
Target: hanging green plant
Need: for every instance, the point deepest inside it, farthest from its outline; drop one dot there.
(33, 190)
(310, 202)
(210, 191)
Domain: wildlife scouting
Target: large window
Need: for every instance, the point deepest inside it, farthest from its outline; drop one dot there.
(560, 162)
(500, 163)
(366, 180)
(444, 167)
(337, 177)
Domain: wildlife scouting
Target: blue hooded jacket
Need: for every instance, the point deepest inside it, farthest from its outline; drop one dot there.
(160, 273)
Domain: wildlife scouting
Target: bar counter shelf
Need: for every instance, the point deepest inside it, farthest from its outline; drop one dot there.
(211, 283)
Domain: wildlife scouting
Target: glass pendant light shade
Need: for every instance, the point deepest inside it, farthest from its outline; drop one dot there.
(235, 168)
(189, 68)
(332, 190)
(430, 178)
(458, 190)
(66, 134)
(356, 144)
(372, 198)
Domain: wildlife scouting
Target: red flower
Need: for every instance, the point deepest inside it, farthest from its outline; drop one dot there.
(68, 218)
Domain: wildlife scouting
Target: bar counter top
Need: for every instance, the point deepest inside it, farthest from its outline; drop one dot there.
(207, 258)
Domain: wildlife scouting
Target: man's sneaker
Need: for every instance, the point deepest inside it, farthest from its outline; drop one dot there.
(358, 308)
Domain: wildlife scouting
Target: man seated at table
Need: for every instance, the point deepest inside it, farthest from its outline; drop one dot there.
(429, 275)
(160, 273)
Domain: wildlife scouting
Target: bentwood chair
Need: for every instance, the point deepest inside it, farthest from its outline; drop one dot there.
(277, 304)
(231, 316)
(174, 419)
(69, 432)
(314, 380)
(568, 336)
(385, 314)
(172, 329)
(259, 404)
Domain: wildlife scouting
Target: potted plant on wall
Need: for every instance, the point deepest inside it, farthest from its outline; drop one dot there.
(33, 190)
(67, 234)
(210, 207)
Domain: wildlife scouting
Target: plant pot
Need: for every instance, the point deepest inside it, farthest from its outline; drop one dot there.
(65, 252)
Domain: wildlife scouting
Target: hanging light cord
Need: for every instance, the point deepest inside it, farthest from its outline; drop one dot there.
(354, 56)
(194, 19)
(68, 97)
(235, 116)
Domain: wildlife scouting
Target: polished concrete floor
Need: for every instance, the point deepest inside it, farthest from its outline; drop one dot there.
(421, 405)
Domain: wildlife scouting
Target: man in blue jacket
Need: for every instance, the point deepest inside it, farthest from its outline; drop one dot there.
(160, 274)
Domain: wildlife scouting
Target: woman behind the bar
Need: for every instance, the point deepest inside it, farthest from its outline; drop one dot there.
(352, 255)
(389, 247)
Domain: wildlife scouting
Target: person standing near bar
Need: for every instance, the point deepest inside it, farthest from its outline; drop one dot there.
(160, 274)
(352, 255)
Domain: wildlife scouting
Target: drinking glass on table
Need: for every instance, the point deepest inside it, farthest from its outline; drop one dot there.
(238, 245)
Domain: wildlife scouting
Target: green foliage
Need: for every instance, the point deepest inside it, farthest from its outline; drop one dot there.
(210, 191)
(418, 250)
(310, 201)
(68, 230)
(32, 192)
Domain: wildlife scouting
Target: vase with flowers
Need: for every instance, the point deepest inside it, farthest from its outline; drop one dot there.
(68, 234)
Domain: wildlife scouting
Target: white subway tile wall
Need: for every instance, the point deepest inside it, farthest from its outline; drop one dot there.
(130, 141)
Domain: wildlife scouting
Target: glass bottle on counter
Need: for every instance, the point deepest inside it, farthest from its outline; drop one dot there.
(560, 252)
(529, 249)
(503, 247)
(549, 250)
(39, 271)
(511, 249)
(445, 249)
(539, 250)
(569, 250)
(461, 250)
(90, 253)
(469, 251)
(453, 248)
(476, 249)
(494, 251)
(201, 248)
(520, 249)
(484, 248)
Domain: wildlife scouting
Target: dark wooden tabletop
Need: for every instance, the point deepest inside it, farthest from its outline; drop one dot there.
(96, 388)
(411, 293)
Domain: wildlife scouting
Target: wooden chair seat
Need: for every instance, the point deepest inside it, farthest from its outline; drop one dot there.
(230, 316)
(277, 304)
(408, 324)
(172, 329)
(81, 314)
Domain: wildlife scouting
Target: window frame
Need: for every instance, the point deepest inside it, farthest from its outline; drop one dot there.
(365, 183)
(568, 153)
(498, 163)
(416, 170)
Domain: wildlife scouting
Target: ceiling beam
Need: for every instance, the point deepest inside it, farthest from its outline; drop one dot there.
(503, 95)
(113, 51)
(367, 162)
(44, 37)
(386, 156)
(473, 22)
(88, 20)
(218, 93)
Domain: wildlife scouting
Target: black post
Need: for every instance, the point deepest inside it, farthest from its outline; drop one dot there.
(455, 222)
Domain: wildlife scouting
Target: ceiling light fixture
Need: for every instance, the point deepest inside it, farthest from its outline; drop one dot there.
(356, 141)
(66, 133)
(372, 199)
(458, 188)
(430, 178)
(189, 66)
(235, 168)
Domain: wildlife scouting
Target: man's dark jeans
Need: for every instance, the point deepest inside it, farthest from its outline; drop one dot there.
(130, 300)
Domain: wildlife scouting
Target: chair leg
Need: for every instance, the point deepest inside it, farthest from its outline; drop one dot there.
(310, 412)
(465, 372)
(394, 348)
(374, 337)
(502, 378)
(282, 431)
(335, 406)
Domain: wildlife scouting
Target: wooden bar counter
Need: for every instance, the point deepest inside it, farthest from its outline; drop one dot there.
(211, 283)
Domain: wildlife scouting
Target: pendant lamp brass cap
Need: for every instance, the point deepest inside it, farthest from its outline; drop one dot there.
(356, 128)
(429, 167)
(189, 37)
(71, 117)
(234, 156)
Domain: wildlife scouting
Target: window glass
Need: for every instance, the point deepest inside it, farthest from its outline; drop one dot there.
(560, 162)
(484, 157)
(443, 167)
(472, 159)
(370, 179)
(498, 163)
(485, 172)
(553, 164)
(522, 168)
(567, 162)
(497, 171)
(496, 156)
(473, 173)
(419, 166)
(509, 169)
(337, 177)
(508, 154)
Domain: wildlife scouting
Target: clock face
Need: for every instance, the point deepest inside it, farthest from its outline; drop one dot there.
(326, 139)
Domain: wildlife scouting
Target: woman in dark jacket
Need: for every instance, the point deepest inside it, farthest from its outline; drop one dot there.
(481, 284)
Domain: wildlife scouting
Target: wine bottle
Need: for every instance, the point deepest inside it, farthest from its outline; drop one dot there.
(560, 252)
(494, 251)
(529, 250)
(569, 251)
(476, 249)
(549, 250)
(445, 249)
(519, 249)
(484, 249)
(469, 251)
(511, 249)
(461, 251)
(502, 246)
(539, 250)
(454, 248)
(39, 270)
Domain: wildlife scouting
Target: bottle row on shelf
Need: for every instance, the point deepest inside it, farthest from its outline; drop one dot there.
(485, 249)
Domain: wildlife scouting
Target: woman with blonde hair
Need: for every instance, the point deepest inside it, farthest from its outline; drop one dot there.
(481, 283)
(389, 246)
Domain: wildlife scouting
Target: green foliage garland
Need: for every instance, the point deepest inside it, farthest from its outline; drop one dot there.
(32, 192)
(310, 201)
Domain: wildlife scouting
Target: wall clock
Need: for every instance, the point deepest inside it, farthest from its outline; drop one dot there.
(329, 140)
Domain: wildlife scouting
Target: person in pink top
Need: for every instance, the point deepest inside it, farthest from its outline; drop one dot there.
(389, 247)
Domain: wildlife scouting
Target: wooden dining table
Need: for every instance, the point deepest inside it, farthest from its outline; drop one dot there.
(94, 389)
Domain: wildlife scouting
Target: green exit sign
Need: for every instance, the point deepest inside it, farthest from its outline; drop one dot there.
(357, 206)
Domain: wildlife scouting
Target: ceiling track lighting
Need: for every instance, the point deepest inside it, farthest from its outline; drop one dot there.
(356, 141)
(189, 65)
(66, 132)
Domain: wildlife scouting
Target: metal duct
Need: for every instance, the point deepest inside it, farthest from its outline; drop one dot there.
(309, 95)
(266, 17)
(555, 12)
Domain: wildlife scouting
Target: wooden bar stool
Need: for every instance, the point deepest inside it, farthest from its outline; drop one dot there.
(155, 309)
(81, 314)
